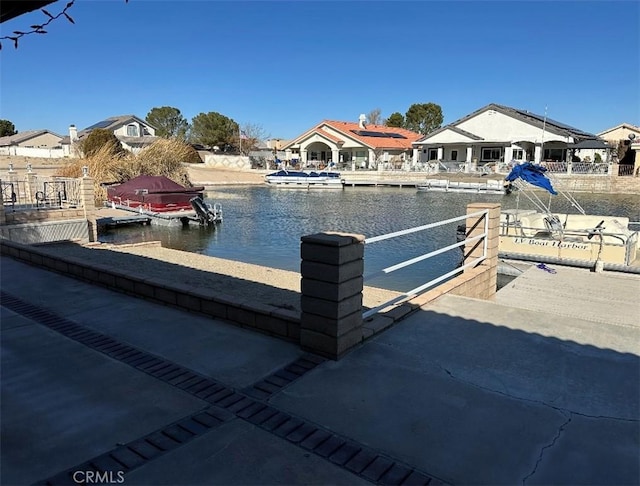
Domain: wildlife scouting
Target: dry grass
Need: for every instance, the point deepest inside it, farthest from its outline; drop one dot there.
(162, 158)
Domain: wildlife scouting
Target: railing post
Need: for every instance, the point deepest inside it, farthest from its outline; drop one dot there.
(3, 217)
(31, 187)
(476, 226)
(331, 302)
(87, 199)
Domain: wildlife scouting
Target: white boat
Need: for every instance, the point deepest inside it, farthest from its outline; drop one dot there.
(576, 239)
(305, 180)
(570, 239)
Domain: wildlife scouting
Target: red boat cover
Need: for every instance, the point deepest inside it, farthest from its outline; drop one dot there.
(153, 184)
(157, 193)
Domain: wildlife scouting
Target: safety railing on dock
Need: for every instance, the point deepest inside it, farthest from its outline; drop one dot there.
(421, 288)
(41, 193)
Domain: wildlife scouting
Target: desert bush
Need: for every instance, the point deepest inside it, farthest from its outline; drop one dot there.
(98, 139)
(162, 158)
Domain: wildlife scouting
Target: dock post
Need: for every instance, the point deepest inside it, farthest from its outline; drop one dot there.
(473, 250)
(3, 216)
(88, 201)
(331, 302)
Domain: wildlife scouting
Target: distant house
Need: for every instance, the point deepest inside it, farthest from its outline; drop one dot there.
(32, 139)
(347, 143)
(35, 143)
(498, 134)
(621, 132)
(134, 133)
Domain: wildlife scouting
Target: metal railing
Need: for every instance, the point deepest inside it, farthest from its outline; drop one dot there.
(41, 193)
(421, 288)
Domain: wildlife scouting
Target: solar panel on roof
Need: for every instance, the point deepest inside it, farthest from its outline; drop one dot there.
(370, 133)
(100, 124)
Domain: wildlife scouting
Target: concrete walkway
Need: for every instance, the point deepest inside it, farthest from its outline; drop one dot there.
(461, 392)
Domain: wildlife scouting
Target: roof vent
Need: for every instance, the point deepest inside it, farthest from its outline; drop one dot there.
(361, 121)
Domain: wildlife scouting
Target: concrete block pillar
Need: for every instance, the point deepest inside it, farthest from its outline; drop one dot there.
(88, 201)
(31, 186)
(476, 226)
(3, 217)
(331, 302)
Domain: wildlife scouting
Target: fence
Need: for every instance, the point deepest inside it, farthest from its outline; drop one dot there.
(421, 288)
(41, 193)
(332, 319)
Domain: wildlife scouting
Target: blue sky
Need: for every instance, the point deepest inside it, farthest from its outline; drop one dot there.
(286, 66)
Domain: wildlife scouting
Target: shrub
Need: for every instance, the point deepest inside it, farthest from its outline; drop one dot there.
(98, 139)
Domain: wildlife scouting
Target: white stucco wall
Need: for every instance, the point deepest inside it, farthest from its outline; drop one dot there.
(56, 153)
(122, 131)
(446, 136)
(495, 126)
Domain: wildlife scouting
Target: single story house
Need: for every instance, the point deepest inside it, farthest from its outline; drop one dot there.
(347, 144)
(32, 139)
(134, 133)
(497, 134)
(32, 143)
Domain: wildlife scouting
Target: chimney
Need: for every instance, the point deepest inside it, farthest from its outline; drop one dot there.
(73, 133)
(361, 122)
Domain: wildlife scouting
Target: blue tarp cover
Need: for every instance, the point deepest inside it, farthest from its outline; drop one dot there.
(533, 174)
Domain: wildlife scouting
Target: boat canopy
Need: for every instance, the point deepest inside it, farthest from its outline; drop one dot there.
(531, 173)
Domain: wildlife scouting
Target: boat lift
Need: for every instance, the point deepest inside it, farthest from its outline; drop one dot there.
(206, 214)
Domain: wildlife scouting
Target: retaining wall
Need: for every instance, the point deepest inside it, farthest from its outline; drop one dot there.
(331, 322)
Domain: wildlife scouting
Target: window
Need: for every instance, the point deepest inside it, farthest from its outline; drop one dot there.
(518, 154)
(454, 155)
(433, 154)
(132, 130)
(491, 153)
(553, 154)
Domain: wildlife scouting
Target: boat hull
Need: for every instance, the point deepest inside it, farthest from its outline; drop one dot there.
(579, 240)
(305, 180)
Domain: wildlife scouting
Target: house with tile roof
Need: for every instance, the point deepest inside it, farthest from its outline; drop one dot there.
(133, 132)
(347, 143)
(621, 132)
(497, 134)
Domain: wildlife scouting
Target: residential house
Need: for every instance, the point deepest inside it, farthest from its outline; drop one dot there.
(32, 139)
(498, 134)
(621, 132)
(134, 133)
(23, 142)
(628, 135)
(351, 144)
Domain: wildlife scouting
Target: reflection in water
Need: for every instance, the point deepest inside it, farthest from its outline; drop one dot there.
(263, 225)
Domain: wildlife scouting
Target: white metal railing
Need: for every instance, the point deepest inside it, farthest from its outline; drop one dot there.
(417, 290)
(41, 193)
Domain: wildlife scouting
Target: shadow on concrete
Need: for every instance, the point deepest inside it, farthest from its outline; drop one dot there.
(471, 402)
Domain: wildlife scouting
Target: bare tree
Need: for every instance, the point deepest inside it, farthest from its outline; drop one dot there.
(374, 117)
(250, 136)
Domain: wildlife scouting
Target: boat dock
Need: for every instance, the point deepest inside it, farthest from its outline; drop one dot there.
(452, 183)
(115, 215)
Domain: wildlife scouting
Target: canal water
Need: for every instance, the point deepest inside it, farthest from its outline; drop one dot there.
(263, 225)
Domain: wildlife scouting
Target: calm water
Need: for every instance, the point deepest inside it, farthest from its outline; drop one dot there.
(263, 225)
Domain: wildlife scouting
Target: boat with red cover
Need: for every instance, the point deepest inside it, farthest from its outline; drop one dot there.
(154, 193)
